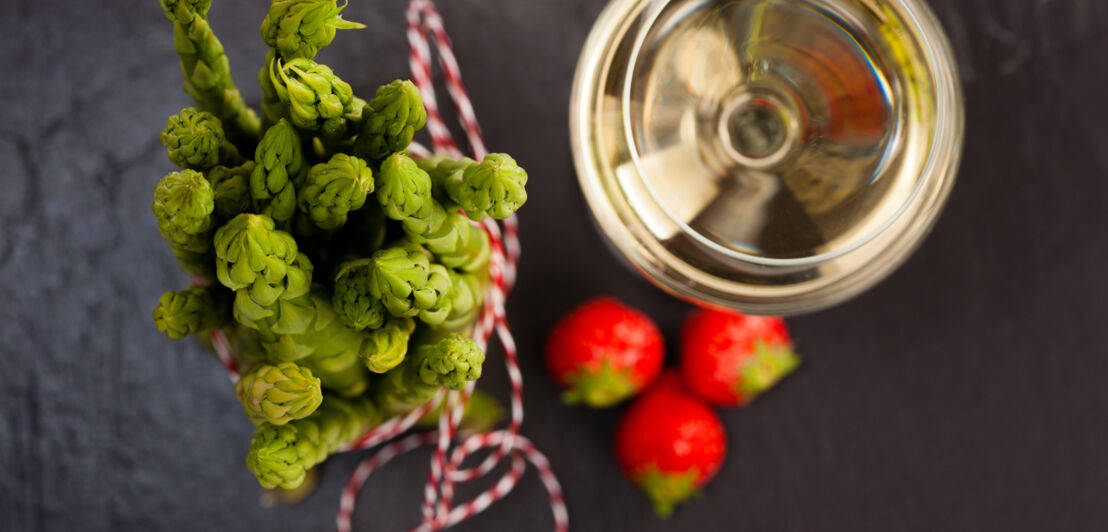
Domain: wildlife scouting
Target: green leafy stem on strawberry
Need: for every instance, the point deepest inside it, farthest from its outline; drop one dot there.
(600, 387)
(666, 490)
(769, 364)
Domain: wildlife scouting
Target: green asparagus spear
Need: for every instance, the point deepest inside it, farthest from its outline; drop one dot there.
(207, 71)
(195, 140)
(335, 188)
(452, 363)
(183, 204)
(291, 315)
(280, 455)
(316, 98)
(442, 230)
(231, 189)
(272, 108)
(391, 120)
(335, 349)
(353, 300)
(278, 172)
(252, 255)
(387, 346)
(440, 168)
(281, 324)
(403, 190)
(277, 394)
(439, 285)
(449, 363)
(199, 6)
(466, 297)
(192, 310)
(493, 187)
(299, 28)
(358, 112)
(342, 373)
(305, 329)
(402, 278)
(454, 241)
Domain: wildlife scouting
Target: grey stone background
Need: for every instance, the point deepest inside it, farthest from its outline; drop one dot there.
(967, 392)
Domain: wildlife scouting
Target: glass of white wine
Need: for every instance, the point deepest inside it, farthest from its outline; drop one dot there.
(773, 156)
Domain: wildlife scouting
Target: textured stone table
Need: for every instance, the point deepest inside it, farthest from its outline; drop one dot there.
(967, 392)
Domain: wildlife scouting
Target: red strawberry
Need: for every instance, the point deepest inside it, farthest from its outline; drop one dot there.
(669, 444)
(603, 352)
(728, 358)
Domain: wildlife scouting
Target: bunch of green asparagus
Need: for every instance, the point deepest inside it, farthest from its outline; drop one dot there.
(345, 275)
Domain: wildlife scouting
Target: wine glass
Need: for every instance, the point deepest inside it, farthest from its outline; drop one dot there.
(773, 156)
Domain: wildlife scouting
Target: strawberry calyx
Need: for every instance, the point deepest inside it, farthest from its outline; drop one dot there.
(769, 364)
(667, 489)
(599, 387)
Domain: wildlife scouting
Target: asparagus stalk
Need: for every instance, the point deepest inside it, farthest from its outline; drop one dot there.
(454, 241)
(493, 187)
(449, 363)
(195, 140)
(281, 455)
(260, 262)
(402, 278)
(387, 346)
(279, 170)
(335, 349)
(403, 189)
(353, 300)
(299, 28)
(317, 100)
(440, 167)
(192, 310)
(183, 204)
(272, 108)
(306, 330)
(278, 394)
(231, 189)
(207, 71)
(390, 121)
(335, 188)
(467, 294)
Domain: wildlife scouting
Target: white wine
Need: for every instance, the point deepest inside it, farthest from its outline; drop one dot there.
(797, 124)
(771, 155)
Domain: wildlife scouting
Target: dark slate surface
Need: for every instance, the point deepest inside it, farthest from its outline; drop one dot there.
(967, 392)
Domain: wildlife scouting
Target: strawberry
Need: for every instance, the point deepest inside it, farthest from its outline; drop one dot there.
(669, 443)
(603, 352)
(729, 358)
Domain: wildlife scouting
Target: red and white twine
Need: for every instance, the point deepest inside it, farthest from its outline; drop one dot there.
(439, 509)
